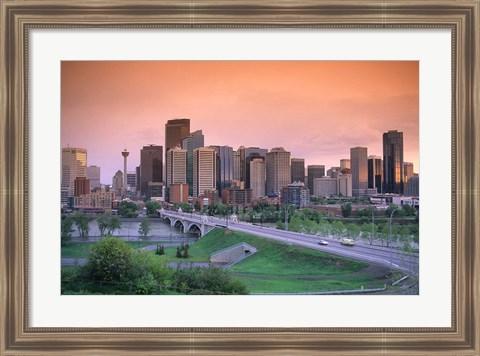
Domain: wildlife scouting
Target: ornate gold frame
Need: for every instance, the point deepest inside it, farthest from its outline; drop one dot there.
(17, 17)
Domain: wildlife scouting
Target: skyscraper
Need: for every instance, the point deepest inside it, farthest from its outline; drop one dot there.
(247, 154)
(117, 183)
(257, 177)
(192, 141)
(177, 166)
(224, 167)
(278, 170)
(408, 171)
(74, 165)
(297, 194)
(151, 166)
(204, 170)
(375, 170)
(82, 186)
(345, 164)
(359, 169)
(236, 165)
(175, 131)
(131, 182)
(298, 169)
(93, 175)
(393, 165)
(344, 185)
(314, 171)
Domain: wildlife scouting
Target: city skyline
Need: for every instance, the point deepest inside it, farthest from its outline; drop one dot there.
(315, 110)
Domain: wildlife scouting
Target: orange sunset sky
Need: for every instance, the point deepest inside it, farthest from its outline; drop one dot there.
(317, 110)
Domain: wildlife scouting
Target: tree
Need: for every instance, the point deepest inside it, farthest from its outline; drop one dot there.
(107, 224)
(82, 223)
(110, 260)
(346, 209)
(160, 250)
(221, 209)
(196, 205)
(186, 207)
(211, 280)
(152, 207)
(353, 230)
(127, 209)
(390, 209)
(367, 231)
(179, 252)
(67, 229)
(408, 210)
(144, 227)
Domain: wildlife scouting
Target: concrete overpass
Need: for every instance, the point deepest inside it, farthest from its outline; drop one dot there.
(187, 222)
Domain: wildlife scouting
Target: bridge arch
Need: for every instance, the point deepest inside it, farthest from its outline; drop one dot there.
(178, 224)
(195, 228)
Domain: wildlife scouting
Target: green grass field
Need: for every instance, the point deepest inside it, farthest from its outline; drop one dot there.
(282, 268)
(82, 249)
(275, 267)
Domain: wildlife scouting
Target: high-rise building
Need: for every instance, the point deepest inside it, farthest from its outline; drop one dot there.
(278, 170)
(408, 171)
(151, 166)
(314, 171)
(131, 181)
(176, 166)
(82, 186)
(375, 169)
(333, 172)
(359, 168)
(325, 187)
(412, 187)
(137, 183)
(224, 167)
(257, 177)
(393, 165)
(175, 131)
(344, 185)
(192, 141)
(298, 169)
(246, 156)
(93, 175)
(178, 193)
(204, 170)
(117, 183)
(74, 165)
(236, 165)
(345, 164)
(297, 194)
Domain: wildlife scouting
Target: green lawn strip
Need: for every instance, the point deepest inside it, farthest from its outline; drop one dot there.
(272, 257)
(304, 284)
(297, 285)
(82, 249)
(293, 260)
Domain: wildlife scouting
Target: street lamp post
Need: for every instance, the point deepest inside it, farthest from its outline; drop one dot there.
(373, 227)
(286, 221)
(390, 237)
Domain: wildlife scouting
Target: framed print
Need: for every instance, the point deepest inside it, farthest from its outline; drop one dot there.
(63, 63)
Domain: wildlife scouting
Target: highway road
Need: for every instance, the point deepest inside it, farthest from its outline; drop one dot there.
(372, 254)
